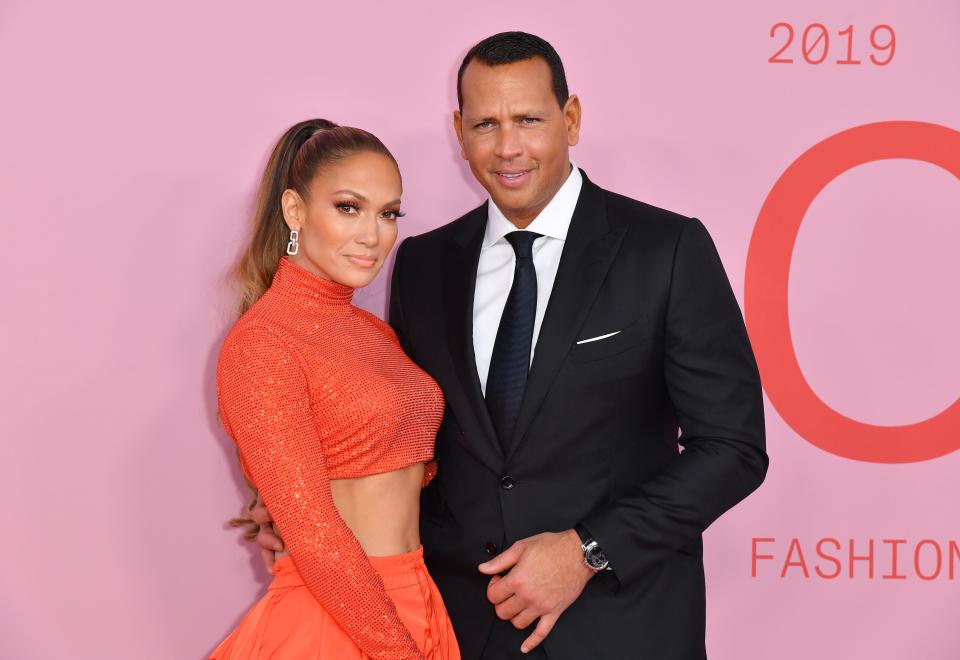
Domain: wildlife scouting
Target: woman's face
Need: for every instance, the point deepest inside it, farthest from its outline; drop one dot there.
(348, 223)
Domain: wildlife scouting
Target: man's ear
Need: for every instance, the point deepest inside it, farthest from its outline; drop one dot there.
(571, 116)
(458, 127)
(293, 209)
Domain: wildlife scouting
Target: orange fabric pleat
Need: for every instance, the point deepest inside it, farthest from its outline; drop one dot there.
(289, 623)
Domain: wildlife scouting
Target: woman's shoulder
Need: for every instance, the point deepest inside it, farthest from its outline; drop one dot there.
(257, 333)
(378, 323)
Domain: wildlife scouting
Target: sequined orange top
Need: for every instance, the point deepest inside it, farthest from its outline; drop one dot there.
(312, 389)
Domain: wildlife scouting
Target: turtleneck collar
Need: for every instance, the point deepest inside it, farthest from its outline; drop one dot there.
(296, 282)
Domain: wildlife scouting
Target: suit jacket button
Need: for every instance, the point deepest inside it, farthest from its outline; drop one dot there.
(507, 482)
(490, 549)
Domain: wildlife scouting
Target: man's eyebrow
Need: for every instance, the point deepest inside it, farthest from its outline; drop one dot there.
(350, 192)
(516, 115)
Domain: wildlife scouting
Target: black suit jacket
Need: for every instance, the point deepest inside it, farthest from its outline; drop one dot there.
(596, 442)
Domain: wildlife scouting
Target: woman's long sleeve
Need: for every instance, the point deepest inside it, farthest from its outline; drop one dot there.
(266, 405)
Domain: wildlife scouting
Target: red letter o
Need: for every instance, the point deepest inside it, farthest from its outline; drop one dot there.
(768, 270)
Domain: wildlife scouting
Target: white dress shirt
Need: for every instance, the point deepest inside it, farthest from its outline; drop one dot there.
(498, 260)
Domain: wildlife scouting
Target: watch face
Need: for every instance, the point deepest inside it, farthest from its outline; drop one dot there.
(595, 557)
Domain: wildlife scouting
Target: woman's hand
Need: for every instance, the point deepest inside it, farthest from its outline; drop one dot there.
(269, 542)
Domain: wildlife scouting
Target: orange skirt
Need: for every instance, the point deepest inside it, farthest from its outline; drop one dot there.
(288, 622)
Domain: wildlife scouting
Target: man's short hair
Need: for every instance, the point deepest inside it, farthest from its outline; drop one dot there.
(510, 47)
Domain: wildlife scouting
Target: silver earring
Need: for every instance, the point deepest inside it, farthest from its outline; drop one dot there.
(293, 246)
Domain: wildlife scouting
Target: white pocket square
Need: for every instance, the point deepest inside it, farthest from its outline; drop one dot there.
(606, 336)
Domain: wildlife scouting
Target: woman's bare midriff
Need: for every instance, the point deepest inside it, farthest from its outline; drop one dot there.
(382, 510)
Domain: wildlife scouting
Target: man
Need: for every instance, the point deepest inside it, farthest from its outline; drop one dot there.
(574, 332)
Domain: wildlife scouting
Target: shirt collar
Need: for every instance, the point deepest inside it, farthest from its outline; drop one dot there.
(554, 219)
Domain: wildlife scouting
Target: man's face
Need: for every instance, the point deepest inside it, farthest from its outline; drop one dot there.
(515, 135)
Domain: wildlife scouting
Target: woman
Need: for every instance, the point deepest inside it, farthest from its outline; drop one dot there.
(333, 423)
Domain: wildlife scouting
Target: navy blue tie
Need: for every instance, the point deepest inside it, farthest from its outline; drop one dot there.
(510, 362)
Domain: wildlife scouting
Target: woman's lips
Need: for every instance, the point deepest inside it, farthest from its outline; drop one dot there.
(512, 178)
(363, 262)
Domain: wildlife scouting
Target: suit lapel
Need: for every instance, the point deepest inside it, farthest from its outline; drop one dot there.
(587, 255)
(460, 277)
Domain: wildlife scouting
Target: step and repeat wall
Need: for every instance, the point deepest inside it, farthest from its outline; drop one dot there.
(818, 142)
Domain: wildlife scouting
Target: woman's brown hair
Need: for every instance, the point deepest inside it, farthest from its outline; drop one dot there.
(304, 150)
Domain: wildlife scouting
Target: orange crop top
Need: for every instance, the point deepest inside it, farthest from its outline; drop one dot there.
(312, 389)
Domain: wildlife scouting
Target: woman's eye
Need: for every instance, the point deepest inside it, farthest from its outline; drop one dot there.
(392, 215)
(347, 208)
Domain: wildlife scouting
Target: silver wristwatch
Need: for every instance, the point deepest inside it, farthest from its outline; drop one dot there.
(593, 556)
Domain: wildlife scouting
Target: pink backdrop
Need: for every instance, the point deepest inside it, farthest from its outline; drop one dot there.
(132, 138)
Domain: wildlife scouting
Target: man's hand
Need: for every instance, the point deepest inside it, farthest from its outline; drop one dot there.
(269, 542)
(546, 575)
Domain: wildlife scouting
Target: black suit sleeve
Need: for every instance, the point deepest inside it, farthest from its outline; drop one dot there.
(713, 383)
(396, 317)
